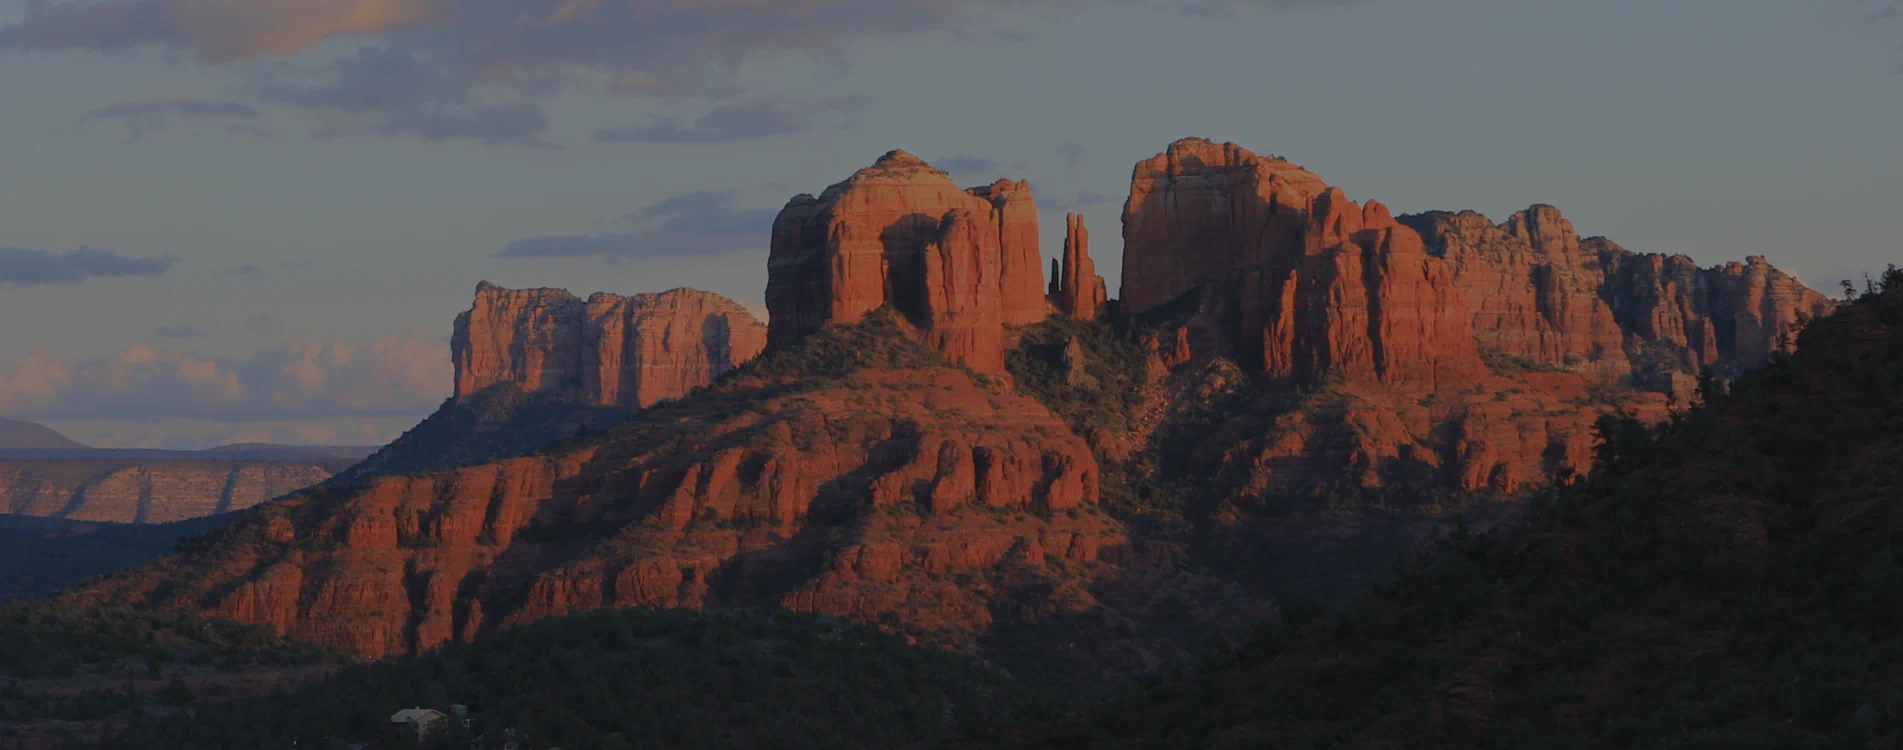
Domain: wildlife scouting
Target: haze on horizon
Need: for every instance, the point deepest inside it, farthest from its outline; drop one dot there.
(226, 222)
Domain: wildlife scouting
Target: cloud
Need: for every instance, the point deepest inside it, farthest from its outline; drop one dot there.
(1073, 154)
(260, 323)
(1054, 204)
(382, 90)
(247, 130)
(247, 271)
(388, 377)
(684, 225)
(149, 115)
(36, 267)
(179, 332)
(1088, 198)
(763, 117)
(966, 165)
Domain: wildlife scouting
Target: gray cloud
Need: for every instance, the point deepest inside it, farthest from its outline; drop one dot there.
(35, 267)
(150, 115)
(1073, 154)
(763, 117)
(179, 331)
(388, 377)
(388, 91)
(684, 225)
(247, 271)
(247, 130)
(966, 165)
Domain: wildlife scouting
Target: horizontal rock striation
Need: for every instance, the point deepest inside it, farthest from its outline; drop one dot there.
(117, 491)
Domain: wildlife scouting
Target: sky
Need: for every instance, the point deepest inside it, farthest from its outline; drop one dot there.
(254, 220)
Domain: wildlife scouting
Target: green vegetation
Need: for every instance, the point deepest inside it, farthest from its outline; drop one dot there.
(496, 423)
(1728, 579)
(881, 341)
(634, 679)
(39, 556)
(39, 639)
(1104, 392)
(1502, 363)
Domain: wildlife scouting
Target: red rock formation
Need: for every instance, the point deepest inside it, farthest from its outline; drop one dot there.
(1076, 289)
(153, 491)
(1297, 280)
(959, 264)
(861, 499)
(1477, 357)
(626, 351)
(1540, 293)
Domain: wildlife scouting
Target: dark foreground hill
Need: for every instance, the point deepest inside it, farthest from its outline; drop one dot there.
(1729, 579)
(633, 679)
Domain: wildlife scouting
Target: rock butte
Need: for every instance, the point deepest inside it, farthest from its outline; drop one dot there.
(959, 264)
(1438, 349)
(1461, 353)
(619, 351)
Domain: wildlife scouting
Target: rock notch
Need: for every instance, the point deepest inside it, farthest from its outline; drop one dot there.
(618, 351)
(958, 264)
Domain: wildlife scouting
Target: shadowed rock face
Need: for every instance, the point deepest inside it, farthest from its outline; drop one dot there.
(958, 264)
(152, 491)
(619, 351)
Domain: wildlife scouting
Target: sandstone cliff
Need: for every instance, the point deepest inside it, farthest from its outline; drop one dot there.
(960, 265)
(1541, 293)
(157, 491)
(1440, 349)
(618, 351)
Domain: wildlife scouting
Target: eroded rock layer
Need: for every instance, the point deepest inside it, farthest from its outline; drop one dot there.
(116, 491)
(1076, 289)
(619, 351)
(958, 264)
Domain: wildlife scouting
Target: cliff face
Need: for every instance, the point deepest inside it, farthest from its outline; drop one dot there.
(119, 491)
(1295, 280)
(958, 264)
(1541, 293)
(1448, 350)
(618, 351)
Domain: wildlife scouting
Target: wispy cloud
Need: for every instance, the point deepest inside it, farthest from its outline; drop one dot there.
(1072, 154)
(150, 115)
(763, 117)
(387, 377)
(179, 332)
(684, 225)
(36, 267)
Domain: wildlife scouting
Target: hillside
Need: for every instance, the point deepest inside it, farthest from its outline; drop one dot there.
(18, 435)
(613, 679)
(1727, 579)
(40, 556)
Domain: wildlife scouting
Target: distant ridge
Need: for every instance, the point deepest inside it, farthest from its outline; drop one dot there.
(18, 435)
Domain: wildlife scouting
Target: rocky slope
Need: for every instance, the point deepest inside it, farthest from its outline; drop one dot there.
(1726, 580)
(960, 265)
(1475, 357)
(618, 351)
(537, 366)
(151, 491)
(854, 474)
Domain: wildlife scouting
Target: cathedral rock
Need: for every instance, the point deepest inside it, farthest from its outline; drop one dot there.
(959, 264)
(619, 351)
